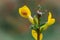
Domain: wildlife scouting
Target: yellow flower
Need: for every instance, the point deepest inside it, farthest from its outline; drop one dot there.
(49, 22)
(34, 34)
(50, 19)
(26, 13)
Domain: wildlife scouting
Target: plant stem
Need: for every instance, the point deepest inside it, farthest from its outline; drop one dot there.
(38, 30)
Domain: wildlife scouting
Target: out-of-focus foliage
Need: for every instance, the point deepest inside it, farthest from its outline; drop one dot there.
(14, 27)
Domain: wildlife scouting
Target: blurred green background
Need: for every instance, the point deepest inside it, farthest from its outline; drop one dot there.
(14, 27)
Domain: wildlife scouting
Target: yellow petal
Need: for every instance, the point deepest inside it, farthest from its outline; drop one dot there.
(49, 16)
(49, 22)
(50, 19)
(34, 34)
(24, 11)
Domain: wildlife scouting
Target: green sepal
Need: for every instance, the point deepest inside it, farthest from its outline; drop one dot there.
(34, 27)
(35, 19)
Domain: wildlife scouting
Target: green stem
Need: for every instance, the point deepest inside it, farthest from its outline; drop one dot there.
(38, 30)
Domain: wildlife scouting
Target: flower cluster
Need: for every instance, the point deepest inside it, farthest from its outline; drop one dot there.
(26, 13)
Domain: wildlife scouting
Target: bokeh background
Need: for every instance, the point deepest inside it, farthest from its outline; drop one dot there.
(14, 27)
